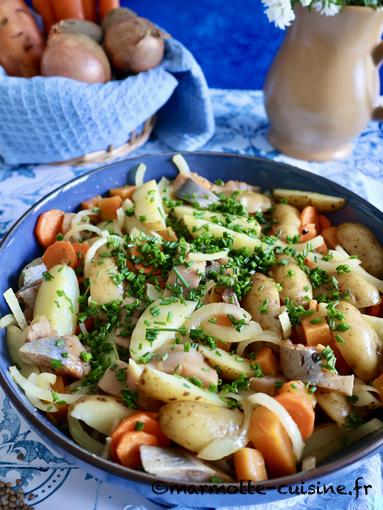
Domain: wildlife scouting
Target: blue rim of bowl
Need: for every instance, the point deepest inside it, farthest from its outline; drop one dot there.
(55, 436)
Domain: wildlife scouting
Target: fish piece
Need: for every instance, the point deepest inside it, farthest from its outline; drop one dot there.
(114, 379)
(40, 328)
(27, 296)
(190, 190)
(191, 274)
(32, 273)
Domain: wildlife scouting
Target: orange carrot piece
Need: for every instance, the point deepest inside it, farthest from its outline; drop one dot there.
(268, 435)
(60, 252)
(324, 222)
(90, 10)
(91, 202)
(45, 9)
(299, 388)
(124, 192)
(48, 226)
(322, 249)
(316, 333)
(309, 215)
(375, 310)
(168, 234)
(309, 263)
(300, 410)
(249, 464)
(67, 9)
(313, 304)
(378, 384)
(81, 250)
(330, 236)
(107, 5)
(108, 207)
(341, 364)
(128, 448)
(60, 416)
(307, 232)
(267, 361)
(223, 320)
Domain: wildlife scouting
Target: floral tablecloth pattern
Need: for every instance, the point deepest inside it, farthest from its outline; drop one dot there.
(241, 127)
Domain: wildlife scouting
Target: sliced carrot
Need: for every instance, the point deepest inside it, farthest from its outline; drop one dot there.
(60, 416)
(146, 269)
(223, 320)
(313, 304)
(267, 361)
(124, 192)
(330, 236)
(322, 249)
(307, 232)
(48, 226)
(375, 310)
(67, 9)
(309, 215)
(90, 11)
(299, 388)
(249, 464)
(168, 234)
(316, 330)
(300, 410)
(45, 9)
(378, 384)
(81, 250)
(309, 263)
(268, 435)
(91, 202)
(128, 448)
(107, 5)
(108, 207)
(341, 364)
(324, 222)
(60, 252)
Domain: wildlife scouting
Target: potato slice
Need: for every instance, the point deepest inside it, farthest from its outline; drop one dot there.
(57, 299)
(173, 315)
(148, 206)
(230, 366)
(102, 288)
(100, 412)
(301, 199)
(169, 388)
(196, 227)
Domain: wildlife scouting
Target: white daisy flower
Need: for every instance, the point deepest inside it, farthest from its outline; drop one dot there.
(327, 7)
(279, 12)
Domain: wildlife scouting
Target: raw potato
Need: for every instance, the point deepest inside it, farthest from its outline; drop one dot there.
(148, 207)
(139, 345)
(287, 221)
(21, 41)
(334, 405)
(169, 388)
(57, 300)
(264, 289)
(193, 424)
(229, 366)
(361, 348)
(362, 293)
(358, 240)
(102, 288)
(295, 283)
(301, 199)
(196, 227)
(100, 412)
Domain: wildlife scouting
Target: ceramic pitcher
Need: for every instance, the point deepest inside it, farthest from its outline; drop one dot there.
(323, 86)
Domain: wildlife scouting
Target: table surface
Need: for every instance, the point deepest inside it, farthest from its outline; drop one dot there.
(241, 129)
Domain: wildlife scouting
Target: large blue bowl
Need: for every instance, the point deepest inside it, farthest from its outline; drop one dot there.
(20, 246)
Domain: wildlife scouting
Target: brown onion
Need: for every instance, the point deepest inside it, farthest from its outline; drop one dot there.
(78, 26)
(116, 15)
(134, 45)
(75, 56)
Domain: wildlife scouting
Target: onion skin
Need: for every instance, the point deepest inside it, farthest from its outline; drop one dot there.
(115, 16)
(75, 56)
(134, 45)
(77, 26)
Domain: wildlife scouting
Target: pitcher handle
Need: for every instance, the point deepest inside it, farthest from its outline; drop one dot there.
(377, 57)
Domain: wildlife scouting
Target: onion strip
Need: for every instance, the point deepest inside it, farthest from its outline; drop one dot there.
(181, 164)
(288, 423)
(83, 438)
(265, 336)
(208, 311)
(284, 319)
(7, 320)
(140, 174)
(230, 334)
(90, 254)
(12, 302)
(200, 257)
(80, 228)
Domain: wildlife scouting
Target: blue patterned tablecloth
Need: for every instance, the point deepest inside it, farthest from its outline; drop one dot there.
(241, 128)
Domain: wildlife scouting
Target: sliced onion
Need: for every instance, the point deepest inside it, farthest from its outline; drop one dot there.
(376, 323)
(284, 319)
(230, 334)
(87, 227)
(200, 257)
(378, 284)
(221, 447)
(181, 164)
(342, 251)
(288, 423)
(120, 217)
(12, 302)
(208, 311)
(301, 247)
(38, 392)
(365, 397)
(83, 329)
(330, 266)
(78, 219)
(7, 320)
(92, 252)
(152, 292)
(83, 438)
(39, 404)
(140, 174)
(265, 336)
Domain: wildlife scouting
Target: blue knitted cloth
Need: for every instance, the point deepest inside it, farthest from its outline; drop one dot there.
(45, 120)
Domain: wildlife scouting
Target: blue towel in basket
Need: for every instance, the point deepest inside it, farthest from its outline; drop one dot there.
(44, 120)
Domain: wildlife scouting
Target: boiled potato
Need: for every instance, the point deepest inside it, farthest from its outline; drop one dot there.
(301, 199)
(358, 240)
(254, 202)
(263, 290)
(335, 405)
(228, 365)
(148, 207)
(361, 293)
(361, 348)
(57, 300)
(194, 424)
(102, 288)
(100, 412)
(168, 388)
(294, 281)
(287, 221)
